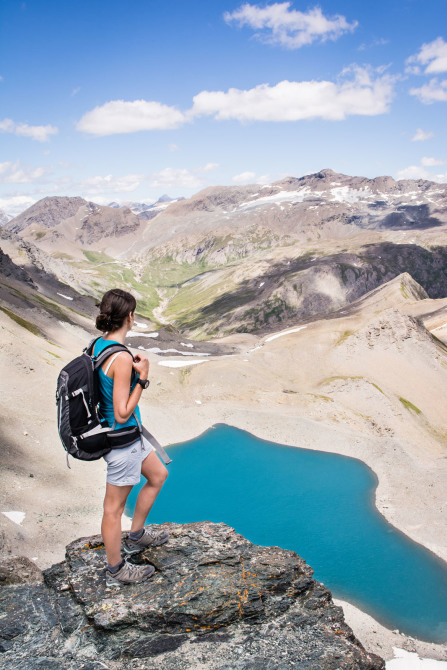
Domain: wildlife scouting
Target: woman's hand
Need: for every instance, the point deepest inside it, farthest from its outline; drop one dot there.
(141, 365)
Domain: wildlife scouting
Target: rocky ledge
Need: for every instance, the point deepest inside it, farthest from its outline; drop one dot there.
(216, 601)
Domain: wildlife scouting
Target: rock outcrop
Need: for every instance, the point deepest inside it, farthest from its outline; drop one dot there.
(216, 601)
(10, 269)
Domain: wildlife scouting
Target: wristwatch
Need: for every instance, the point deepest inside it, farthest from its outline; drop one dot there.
(144, 383)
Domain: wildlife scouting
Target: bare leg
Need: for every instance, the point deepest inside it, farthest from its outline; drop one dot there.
(155, 473)
(114, 502)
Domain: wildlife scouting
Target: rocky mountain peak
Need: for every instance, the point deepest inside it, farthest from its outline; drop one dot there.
(48, 212)
(215, 601)
(327, 173)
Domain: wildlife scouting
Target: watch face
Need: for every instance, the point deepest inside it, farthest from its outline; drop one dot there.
(144, 384)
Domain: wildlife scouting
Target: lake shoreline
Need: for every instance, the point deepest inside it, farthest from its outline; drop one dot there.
(180, 423)
(392, 464)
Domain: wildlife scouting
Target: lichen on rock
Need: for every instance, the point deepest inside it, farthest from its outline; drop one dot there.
(216, 601)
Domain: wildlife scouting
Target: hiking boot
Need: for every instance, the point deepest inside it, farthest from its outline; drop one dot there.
(129, 574)
(150, 538)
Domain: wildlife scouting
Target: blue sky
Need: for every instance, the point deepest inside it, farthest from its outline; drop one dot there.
(130, 100)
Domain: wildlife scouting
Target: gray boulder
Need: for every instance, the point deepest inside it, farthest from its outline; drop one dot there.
(215, 602)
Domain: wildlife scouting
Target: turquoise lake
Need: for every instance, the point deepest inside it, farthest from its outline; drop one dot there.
(321, 505)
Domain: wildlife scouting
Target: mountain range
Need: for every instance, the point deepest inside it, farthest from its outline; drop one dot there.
(248, 258)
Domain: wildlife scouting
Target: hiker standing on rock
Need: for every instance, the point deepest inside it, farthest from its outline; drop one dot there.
(122, 380)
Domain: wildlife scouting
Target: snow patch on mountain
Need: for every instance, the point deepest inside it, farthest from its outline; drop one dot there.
(281, 196)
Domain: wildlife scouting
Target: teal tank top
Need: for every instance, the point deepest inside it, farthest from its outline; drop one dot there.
(106, 391)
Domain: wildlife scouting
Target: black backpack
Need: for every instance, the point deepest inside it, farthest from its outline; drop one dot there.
(84, 433)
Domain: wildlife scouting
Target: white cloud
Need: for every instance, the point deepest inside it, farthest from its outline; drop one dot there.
(16, 173)
(421, 135)
(209, 167)
(99, 184)
(75, 91)
(375, 43)
(435, 91)
(175, 178)
(413, 172)
(118, 116)
(432, 55)
(294, 101)
(181, 177)
(16, 204)
(419, 172)
(288, 27)
(251, 178)
(244, 178)
(39, 133)
(174, 147)
(102, 199)
(431, 162)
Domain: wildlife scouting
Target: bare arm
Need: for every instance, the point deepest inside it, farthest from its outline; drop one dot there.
(121, 371)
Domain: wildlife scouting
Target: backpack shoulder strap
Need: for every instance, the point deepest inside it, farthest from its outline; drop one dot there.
(109, 351)
(89, 348)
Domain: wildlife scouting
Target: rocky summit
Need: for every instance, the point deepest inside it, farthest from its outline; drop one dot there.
(215, 601)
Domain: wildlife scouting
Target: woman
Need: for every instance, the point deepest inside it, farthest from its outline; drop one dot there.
(119, 405)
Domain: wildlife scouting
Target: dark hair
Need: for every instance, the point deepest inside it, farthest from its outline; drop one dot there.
(114, 307)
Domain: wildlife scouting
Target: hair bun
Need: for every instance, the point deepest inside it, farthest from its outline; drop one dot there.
(103, 322)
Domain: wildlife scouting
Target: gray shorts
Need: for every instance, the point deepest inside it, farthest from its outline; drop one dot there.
(124, 465)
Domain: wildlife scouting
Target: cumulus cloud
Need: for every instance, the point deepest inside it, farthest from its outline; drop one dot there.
(15, 204)
(421, 135)
(111, 183)
(361, 94)
(279, 24)
(413, 172)
(209, 167)
(420, 172)
(357, 91)
(432, 56)
(175, 178)
(250, 178)
(119, 116)
(16, 173)
(39, 133)
(431, 162)
(244, 178)
(434, 91)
